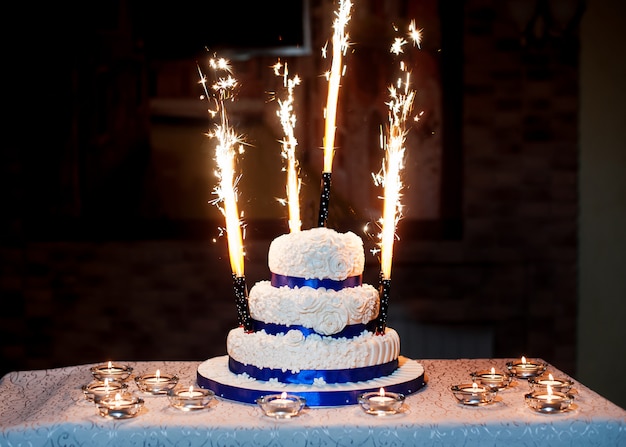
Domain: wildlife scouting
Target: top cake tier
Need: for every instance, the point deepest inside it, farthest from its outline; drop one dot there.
(320, 253)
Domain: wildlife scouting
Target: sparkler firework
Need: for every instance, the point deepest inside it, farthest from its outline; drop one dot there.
(400, 107)
(288, 121)
(229, 144)
(340, 45)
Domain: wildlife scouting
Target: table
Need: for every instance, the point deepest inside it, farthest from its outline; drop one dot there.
(47, 408)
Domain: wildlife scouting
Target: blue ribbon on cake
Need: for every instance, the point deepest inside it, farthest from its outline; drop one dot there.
(350, 331)
(307, 376)
(315, 283)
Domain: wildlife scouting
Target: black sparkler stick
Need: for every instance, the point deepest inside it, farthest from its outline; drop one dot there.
(324, 199)
(384, 291)
(241, 302)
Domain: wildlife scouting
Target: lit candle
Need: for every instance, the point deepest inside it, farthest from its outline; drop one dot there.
(550, 381)
(548, 401)
(97, 390)
(190, 393)
(492, 379)
(156, 378)
(122, 406)
(526, 369)
(473, 395)
(381, 403)
(525, 365)
(281, 406)
(190, 399)
(381, 398)
(557, 384)
(156, 383)
(282, 401)
(474, 389)
(111, 371)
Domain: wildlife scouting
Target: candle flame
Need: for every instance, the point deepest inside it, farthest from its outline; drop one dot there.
(158, 374)
(340, 44)
(523, 360)
(381, 392)
(229, 144)
(288, 121)
(190, 389)
(493, 370)
(110, 365)
(474, 386)
(283, 395)
(400, 107)
(550, 376)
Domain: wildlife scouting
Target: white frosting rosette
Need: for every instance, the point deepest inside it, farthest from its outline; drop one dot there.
(325, 311)
(317, 253)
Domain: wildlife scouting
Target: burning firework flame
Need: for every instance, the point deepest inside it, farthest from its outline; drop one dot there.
(229, 144)
(288, 121)
(400, 107)
(340, 45)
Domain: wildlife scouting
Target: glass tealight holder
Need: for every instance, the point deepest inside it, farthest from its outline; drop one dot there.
(493, 379)
(545, 401)
(526, 369)
(156, 383)
(97, 389)
(558, 384)
(473, 394)
(190, 399)
(111, 371)
(120, 406)
(281, 406)
(381, 403)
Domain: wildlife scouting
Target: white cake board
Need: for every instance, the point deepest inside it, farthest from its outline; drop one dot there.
(214, 374)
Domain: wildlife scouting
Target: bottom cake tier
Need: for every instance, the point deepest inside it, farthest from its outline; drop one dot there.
(215, 375)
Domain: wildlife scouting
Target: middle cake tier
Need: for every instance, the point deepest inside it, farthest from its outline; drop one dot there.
(326, 312)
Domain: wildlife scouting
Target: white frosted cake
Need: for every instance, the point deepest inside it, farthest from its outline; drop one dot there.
(313, 323)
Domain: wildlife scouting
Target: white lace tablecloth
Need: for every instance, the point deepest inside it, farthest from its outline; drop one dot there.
(47, 408)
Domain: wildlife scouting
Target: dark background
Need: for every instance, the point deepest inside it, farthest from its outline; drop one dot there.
(111, 251)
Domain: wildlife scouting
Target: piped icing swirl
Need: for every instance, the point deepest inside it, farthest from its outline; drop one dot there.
(293, 352)
(325, 311)
(317, 253)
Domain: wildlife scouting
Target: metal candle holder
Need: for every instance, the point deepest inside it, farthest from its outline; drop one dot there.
(241, 301)
(324, 199)
(384, 291)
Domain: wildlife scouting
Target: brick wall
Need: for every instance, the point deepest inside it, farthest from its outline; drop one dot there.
(514, 268)
(507, 278)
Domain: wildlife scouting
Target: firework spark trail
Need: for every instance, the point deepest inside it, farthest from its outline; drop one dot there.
(340, 45)
(229, 144)
(288, 121)
(400, 106)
